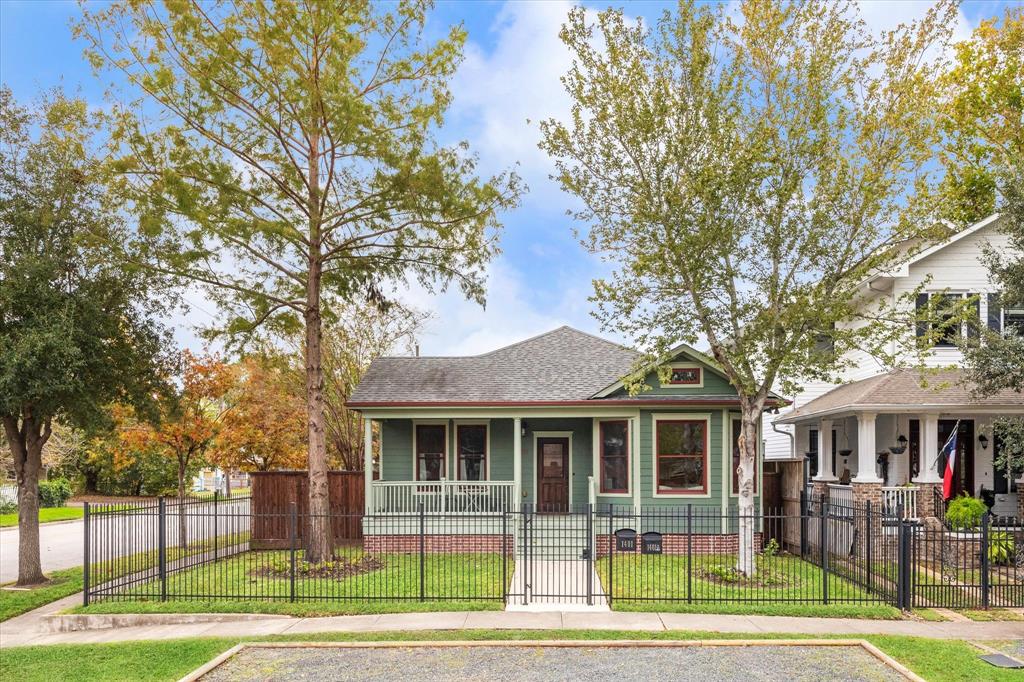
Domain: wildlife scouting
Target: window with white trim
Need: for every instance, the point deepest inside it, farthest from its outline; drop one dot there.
(471, 441)
(681, 456)
(614, 456)
(430, 451)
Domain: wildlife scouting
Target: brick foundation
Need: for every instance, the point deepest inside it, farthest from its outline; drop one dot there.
(675, 543)
(819, 489)
(438, 544)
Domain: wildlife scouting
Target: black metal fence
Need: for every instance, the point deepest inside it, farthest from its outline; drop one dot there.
(827, 553)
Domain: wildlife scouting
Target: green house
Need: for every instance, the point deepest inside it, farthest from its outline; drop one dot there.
(547, 423)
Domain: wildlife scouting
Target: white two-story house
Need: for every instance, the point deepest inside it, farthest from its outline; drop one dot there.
(878, 435)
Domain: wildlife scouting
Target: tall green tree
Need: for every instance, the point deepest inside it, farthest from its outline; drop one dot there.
(77, 330)
(983, 118)
(745, 175)
(291, 161)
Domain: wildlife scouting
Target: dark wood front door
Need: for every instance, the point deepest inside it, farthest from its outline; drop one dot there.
(963, 471)
(553, 475)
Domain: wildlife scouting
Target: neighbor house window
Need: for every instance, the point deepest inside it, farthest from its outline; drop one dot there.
(681, 451)
(949, 332)
(684, 376)
(812, 451)
(615, 457)
(472, 449)
(430, 451)
(1013, 321)
(737, 426)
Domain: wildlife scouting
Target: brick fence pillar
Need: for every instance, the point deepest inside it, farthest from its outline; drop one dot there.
(926, 500)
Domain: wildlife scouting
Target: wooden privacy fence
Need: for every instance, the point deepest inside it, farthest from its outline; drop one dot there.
(273, 493)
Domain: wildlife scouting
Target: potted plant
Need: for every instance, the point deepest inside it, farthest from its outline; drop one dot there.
(964, 513)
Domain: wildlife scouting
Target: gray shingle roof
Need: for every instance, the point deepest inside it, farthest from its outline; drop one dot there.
(902, 388)
(563, 364)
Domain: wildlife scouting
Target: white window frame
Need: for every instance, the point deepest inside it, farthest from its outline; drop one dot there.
(596, 465)
(681, 416)
(486, 423)
(447, 448)
(684, 365)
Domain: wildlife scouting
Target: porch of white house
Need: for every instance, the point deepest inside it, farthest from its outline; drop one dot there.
(892, 460)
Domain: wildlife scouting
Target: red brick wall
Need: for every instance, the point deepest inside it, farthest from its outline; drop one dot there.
(448, 544)
(675, 543)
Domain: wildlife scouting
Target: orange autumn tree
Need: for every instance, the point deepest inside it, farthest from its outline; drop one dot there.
(189, 420)
(266, 426)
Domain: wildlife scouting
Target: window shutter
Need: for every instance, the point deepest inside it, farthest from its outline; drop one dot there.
(922, 325)
(974, 323)
(995, 317)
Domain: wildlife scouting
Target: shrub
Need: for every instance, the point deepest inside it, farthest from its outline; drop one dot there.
(770, 549)
(54, 493)
(965, 512)
(8, 507)
(1000, 547)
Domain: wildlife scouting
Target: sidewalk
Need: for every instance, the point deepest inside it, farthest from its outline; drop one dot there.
(31, 628)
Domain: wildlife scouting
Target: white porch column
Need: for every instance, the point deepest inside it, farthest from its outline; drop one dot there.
(367, 466)
(825, 472)
(929, 472)
(517, 461)
(866, 472)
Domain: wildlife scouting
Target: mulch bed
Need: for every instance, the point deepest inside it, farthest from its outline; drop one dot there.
(337, 569)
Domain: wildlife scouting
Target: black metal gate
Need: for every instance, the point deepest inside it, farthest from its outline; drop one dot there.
(554, 557)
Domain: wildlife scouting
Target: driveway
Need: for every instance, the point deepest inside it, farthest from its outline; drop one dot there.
(61, 545)
(626, 663)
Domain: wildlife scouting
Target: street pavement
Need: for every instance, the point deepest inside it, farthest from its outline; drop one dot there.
(61, 545)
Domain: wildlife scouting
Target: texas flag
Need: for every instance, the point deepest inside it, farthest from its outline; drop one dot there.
(949, 452)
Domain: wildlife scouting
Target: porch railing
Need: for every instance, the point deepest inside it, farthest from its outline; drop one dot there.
(840, 497)
(895, 496)
(441, 497)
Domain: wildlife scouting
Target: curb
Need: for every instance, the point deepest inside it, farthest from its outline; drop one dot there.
(77, 622)
(878, 654)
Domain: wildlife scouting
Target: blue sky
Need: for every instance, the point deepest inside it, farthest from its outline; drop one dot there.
(513, 62)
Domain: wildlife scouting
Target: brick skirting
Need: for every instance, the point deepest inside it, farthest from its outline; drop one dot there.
(438, 544)
(675, 543)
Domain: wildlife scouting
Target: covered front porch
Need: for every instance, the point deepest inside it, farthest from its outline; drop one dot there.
(463, 465)
(895, 459)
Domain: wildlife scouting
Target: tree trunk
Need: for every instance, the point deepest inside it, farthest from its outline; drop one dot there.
(227, 482)
(318, 535)
(747, 475)
(26, 443)
(182, 530)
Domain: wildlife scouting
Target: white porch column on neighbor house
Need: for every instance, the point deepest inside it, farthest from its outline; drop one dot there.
(929, 472)
(517, 460)
(866, 472)
(367, 466)
(825, 472)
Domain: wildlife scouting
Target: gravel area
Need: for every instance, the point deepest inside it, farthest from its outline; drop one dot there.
(1011, 647)
(742, 664)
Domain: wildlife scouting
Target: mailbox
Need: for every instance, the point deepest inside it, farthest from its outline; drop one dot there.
(625, 540)
(651, 543)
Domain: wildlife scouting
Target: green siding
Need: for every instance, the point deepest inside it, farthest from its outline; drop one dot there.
(397, 462)
(396, 450)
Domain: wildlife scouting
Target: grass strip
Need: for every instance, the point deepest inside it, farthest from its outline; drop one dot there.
(937, 660)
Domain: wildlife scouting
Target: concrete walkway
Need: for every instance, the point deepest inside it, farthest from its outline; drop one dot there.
(37, 626)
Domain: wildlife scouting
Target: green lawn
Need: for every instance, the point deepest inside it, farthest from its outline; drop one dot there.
(789, 586)
(258, 582)
(935, 660)
(62, 584)
(46, 515)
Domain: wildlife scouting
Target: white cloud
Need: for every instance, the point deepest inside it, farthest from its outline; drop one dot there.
(497, 92)
(462, 327)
